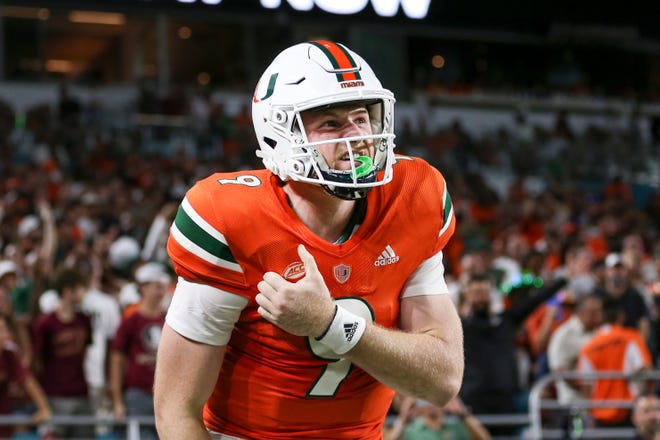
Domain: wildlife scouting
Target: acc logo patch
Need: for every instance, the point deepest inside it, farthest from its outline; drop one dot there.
(294, 271)
(341, 272)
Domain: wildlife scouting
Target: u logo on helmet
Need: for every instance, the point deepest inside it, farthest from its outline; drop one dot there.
(269, 90)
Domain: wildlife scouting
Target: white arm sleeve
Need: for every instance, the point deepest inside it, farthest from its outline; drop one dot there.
(204, 313)
(427, 279)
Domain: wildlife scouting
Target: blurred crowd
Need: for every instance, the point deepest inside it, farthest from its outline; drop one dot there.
(85, 210)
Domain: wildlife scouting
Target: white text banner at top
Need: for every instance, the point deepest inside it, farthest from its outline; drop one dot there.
(417, 9)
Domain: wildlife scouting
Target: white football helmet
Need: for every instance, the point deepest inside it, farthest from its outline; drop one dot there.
(313, 75)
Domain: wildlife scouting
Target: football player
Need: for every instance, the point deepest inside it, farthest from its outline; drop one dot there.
(310, 290)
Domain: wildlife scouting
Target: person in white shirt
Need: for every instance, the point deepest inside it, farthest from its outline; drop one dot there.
(105, 314)
(567, 340)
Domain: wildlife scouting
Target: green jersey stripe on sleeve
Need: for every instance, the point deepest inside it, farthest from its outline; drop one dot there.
(447, 211)
(200, 238)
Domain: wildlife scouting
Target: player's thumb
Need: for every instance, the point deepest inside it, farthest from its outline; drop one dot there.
(308, 260)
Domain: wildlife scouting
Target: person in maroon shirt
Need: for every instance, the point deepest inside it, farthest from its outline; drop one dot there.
(133, 355)
(60, 341)
(12, 370)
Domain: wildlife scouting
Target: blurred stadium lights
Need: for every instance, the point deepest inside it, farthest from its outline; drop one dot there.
(438, 61)
(63, 66)
(184, 32)
(96, 17)
(25, 12)
(203, 78)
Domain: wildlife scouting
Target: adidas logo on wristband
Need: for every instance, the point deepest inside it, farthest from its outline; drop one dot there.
(349, 330)
(344, 332)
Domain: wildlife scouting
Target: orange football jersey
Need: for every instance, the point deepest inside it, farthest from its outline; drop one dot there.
(231, 228)
(617, 349)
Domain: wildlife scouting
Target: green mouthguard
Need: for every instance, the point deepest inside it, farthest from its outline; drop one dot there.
(366, 166)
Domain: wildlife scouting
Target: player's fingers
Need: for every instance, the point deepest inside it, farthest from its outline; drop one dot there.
(307, 259)
(265, 288)
(266, 314)
(275, 280)
(263, 301)
(270, 311)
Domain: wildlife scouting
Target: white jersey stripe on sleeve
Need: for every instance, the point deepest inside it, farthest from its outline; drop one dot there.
(193, 248)
(199, 221)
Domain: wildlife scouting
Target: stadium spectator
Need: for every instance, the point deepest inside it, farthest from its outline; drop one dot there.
(646, 417)
(617, 285)
(103, 310)
(541, 325)
(60, 341)
(421, 420)
(14, 372)
(639, 264)
(545, 319)
(613, 348)
(489, 386)
(133, 356)
(567, 341)
(509, 259)
(563, 352)
(603, 239)
(474, 262)
(31, 260)
(618, 193)
(578, 268)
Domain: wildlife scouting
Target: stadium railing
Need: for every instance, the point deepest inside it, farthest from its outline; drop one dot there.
(530, 424)
(538, 403)
(132, 424)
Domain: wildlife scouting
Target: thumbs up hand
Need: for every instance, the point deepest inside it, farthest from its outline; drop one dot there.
(304, 308)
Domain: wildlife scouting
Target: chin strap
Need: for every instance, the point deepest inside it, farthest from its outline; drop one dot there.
(346, 193)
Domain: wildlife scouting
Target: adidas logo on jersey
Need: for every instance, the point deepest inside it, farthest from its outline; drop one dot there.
(349, 330)
(387, 257)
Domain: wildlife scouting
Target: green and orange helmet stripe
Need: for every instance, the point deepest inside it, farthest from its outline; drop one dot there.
(345, 66)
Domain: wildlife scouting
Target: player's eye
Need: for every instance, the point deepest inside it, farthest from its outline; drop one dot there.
(329, 123)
